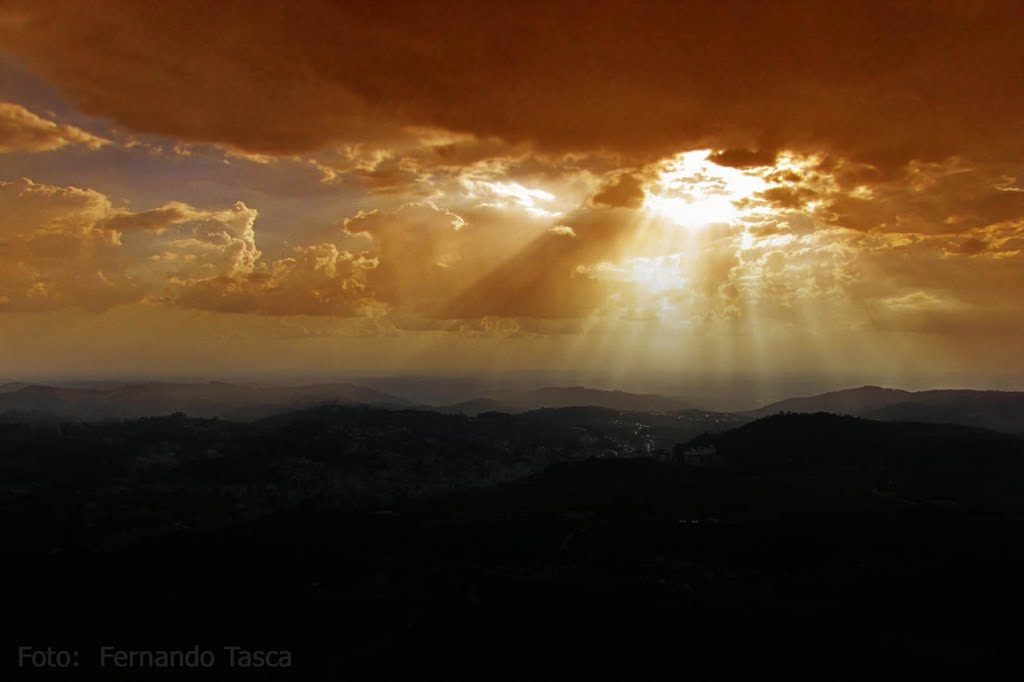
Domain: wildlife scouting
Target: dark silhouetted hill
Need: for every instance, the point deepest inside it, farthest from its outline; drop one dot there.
(999, 410)
(853, 401)
(478, 405)
(579, 396)
(521, 546)
(212, 399)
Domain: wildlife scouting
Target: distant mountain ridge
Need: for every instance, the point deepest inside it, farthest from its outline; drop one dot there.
(212, 399)
(998, 410)
(569, 396)
(846, 401)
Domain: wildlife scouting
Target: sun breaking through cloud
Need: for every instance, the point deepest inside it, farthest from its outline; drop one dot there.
(729, 186)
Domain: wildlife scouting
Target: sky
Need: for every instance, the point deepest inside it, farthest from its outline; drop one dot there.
(617, 188)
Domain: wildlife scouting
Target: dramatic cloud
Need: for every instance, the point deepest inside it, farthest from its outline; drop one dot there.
(873, 81)
(316, 280)
(69, 247)
(54, 251)
(541, 281)
(949, 196)
(625, 191)
(23, 131)
(220, 242)
(667, 182)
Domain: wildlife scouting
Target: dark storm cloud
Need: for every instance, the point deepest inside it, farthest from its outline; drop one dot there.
(883, 82)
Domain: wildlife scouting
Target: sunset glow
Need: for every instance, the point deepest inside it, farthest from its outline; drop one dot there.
(508, 340)
(693, 192)
(508, 193)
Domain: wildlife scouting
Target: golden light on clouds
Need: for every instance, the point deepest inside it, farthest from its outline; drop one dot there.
(692, 192)
(465, 177)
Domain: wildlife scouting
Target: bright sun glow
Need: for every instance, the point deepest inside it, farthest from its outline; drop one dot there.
(657, 275)
(693, 192)
(511, 194)
(693, 214)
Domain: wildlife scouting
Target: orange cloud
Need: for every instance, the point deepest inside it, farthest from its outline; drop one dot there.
(69, 247)
(870, 81)
(23, 131)
(625, 191)
(54, 251)
(316, 280)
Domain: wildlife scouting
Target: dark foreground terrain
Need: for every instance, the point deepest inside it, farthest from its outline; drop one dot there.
(555, 545)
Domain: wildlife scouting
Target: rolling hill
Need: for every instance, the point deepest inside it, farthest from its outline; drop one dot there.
(582, 396)
(212, 399)
(998, 410)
